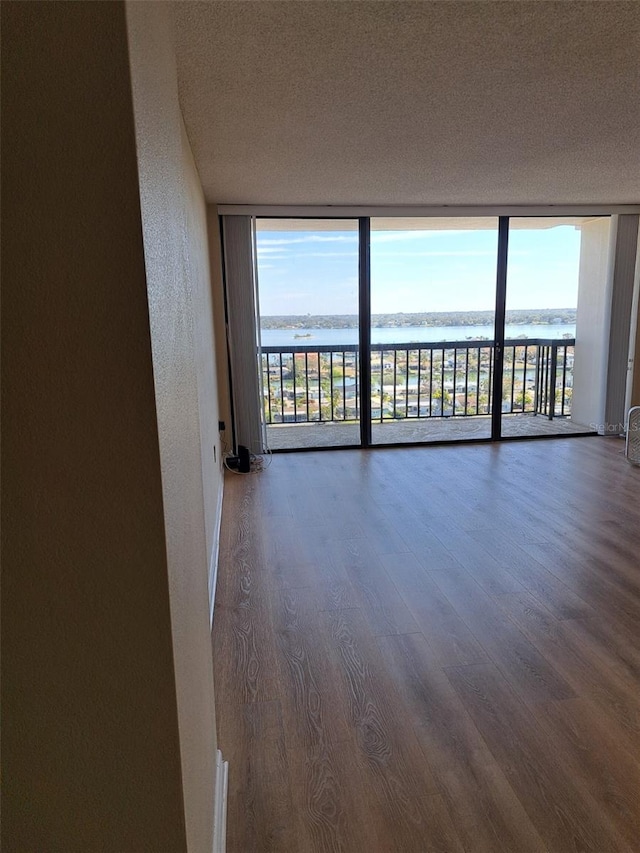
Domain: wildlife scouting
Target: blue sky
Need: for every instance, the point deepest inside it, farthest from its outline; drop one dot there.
(317, 272)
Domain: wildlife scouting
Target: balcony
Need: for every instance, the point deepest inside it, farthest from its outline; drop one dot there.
(419, 392)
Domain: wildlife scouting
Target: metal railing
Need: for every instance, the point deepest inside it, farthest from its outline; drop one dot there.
(303, 384)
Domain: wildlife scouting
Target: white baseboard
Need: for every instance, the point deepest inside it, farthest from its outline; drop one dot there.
(220, 816)
(215, 553)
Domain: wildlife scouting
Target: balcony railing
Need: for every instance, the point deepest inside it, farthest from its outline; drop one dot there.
(303, 384)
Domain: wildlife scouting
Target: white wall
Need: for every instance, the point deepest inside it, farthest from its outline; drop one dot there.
(624, 268)
(633, 378)
(180, 308)
(592, 325)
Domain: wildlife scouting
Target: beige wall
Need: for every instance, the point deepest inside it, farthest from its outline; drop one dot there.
(112, 479)
(205, 359)
(178, 280)
(91, 739)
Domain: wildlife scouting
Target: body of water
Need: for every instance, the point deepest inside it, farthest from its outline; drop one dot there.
(409, 334)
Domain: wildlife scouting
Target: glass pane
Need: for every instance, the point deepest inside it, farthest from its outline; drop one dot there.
(556, 269)
(433, 286)
(308, 304)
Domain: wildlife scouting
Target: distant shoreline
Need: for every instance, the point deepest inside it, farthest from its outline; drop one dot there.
(528, 317)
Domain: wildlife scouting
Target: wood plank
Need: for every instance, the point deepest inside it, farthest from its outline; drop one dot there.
(312, 705)
(329, 578)
(259, 798)
(378, 598)
(596, 586)
(616, 645)
(592, 754)
(449, 637)
(586, 673)
(243, 642)
(286, 559)
(433, 501)
(339, 806)
(244, 654)
(409, 519)
(484, 808)
(486, 812)
(550, 591)
(380, 722)
(491, 575)
(563, 814)
(241, 546)
(436, 711)
(379, 528)
(327, 813)
(530, 674)
(389, 757)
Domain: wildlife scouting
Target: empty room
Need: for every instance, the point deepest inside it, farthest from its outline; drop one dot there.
(321, 378)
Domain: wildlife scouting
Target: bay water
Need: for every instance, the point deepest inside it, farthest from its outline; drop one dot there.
(410, 334)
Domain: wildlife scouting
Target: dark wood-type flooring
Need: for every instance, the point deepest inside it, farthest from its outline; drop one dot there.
(432, 649)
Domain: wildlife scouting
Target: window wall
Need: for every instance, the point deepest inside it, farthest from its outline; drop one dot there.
(389, 330)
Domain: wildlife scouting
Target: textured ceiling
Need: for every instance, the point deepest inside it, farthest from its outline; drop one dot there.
(387, 103)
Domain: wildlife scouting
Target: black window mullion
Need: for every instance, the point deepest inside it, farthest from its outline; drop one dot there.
(501, 299)
(364, 288)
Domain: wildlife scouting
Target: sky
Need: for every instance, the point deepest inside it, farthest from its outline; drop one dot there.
(316, 272)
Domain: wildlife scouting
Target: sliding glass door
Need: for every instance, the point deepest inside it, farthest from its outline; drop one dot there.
(433, 286)
(555, 281)
(307, 272)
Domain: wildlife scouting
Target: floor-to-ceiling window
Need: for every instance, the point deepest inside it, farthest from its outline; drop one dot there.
(550, 263)
(474, 327)
(308, 328)
(433, 284)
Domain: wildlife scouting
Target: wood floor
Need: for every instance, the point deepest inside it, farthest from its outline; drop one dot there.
(432, 649)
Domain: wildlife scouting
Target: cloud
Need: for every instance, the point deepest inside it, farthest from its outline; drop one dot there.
(270, 253)
(394, 236)
(308, 238)
(463, 253)
(353, 254)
